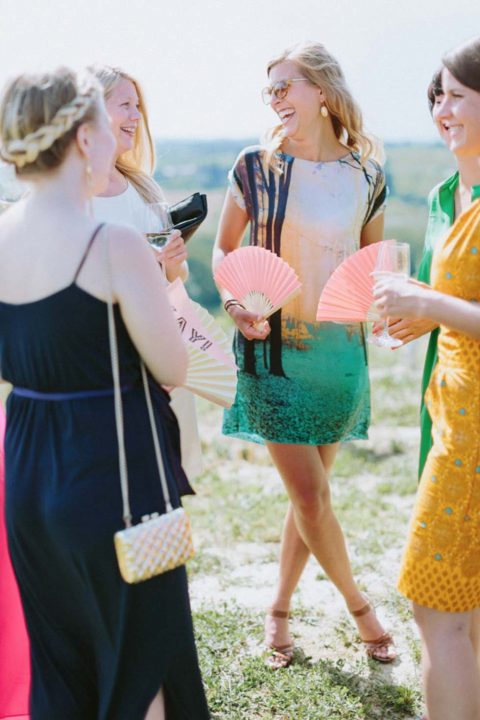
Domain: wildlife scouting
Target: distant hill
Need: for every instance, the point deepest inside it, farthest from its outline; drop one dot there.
(185, 166)
(412, 168)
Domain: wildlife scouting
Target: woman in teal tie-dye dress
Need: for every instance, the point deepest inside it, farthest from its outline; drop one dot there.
(313, 195)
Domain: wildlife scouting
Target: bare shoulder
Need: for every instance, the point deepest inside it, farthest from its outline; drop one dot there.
(125, 244)
(122, 235)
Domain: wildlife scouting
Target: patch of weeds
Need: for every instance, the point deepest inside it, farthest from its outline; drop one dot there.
(254, 514)
(241, 687)
(402, 487)
(205, 563)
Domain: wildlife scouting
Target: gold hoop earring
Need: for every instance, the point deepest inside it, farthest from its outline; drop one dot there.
(324, 111)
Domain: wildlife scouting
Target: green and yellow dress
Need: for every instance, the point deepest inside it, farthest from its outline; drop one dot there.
(308, 382)
(441, 216)
(441, 563)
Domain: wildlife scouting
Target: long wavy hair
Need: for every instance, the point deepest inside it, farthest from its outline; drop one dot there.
(320, 68)
(138, 164)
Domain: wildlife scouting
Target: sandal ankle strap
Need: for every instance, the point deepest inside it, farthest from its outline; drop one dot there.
(283, 614)
(362, 611)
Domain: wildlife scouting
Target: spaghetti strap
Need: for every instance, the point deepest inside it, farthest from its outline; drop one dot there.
(87, 250)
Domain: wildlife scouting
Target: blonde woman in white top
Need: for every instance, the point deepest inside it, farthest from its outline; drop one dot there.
(130, 187)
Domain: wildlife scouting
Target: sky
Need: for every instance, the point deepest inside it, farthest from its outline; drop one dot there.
(202, 63)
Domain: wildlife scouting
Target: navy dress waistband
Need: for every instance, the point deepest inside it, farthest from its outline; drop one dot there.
(78, 395)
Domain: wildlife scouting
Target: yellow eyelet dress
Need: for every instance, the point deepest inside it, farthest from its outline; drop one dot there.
(441, 563)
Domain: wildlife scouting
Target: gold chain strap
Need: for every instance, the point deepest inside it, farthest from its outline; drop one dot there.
(122, 459)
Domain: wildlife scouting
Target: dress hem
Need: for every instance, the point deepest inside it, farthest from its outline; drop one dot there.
(259, 440)
(436, 607)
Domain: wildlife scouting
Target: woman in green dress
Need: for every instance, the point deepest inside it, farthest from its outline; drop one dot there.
(313, 195)
(446, 201)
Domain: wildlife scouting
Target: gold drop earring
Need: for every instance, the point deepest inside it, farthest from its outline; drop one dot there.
(89, 173)
(324, 111)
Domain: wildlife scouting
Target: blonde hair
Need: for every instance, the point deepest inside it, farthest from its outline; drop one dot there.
(320, 68)
(138, 164)
(39, 117)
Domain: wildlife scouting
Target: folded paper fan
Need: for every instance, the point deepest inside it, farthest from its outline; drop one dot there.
(258, 278)
(348, 293)
(212, 372)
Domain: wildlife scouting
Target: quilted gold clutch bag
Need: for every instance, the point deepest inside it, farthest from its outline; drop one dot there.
(154, 546)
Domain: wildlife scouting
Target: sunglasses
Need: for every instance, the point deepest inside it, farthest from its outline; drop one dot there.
(279, 90)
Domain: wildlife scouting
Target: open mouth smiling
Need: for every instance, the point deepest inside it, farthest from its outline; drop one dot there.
(285, 115)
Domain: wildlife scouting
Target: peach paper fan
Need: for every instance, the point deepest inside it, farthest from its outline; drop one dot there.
(258, 278)
(212, 372)
(348, 294)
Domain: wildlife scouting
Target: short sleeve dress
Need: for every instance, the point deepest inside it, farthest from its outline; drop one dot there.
(308, 382)
(441, 216)
(441, 563)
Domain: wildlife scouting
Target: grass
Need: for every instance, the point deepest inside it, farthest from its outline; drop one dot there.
(237, 518)
(241, 687)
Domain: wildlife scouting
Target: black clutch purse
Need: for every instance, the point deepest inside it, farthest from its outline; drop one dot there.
(187, 215)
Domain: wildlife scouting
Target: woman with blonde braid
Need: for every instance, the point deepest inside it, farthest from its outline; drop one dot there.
(314, 194)
(100, 649)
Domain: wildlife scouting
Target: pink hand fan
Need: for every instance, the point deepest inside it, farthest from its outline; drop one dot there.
(258, 278)
(347, 295)
(212, 372)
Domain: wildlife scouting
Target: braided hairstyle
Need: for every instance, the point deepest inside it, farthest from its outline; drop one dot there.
(39, 117)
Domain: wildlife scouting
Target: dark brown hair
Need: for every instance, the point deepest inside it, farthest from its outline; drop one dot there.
(435, 89)
(464, 64)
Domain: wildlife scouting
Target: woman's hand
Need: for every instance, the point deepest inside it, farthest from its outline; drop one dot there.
(406, 329)
(173, 256)
(252, 326)
(396, 297)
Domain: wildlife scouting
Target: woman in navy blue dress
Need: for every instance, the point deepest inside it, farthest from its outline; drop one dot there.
(100, 649)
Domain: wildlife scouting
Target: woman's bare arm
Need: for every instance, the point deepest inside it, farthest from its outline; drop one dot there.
(144, 305)
(232, 225)
(373, 231)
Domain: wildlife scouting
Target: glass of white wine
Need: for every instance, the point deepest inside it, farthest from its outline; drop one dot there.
(393, 259)
(158, 224)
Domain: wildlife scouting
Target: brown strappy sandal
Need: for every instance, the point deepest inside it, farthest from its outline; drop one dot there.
(280, 656)
(373, 646)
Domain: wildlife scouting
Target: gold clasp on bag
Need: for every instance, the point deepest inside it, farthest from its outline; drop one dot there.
(152, 516)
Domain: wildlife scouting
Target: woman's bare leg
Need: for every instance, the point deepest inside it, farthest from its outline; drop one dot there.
(156, 711)
(306, 481)
(450, 671)
(294, 555)
(475, 634)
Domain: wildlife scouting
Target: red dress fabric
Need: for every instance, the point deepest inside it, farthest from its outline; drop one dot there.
(14, 646)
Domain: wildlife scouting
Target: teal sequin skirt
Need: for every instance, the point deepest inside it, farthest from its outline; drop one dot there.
(322, 397)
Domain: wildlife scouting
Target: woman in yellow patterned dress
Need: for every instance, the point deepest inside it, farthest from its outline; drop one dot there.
(440, 571)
